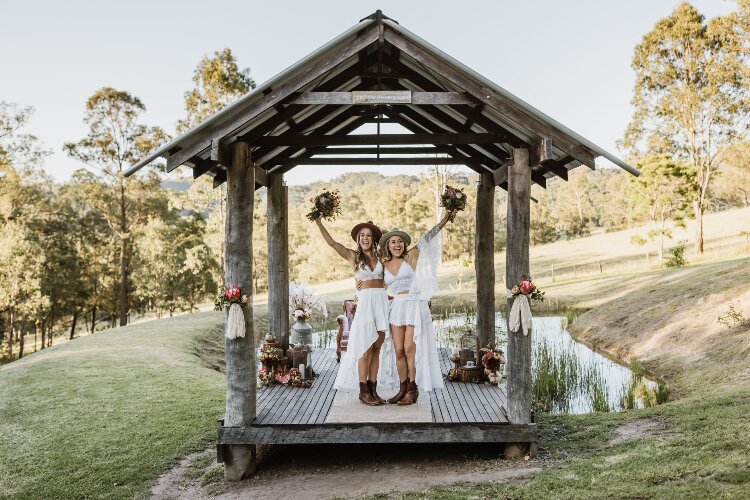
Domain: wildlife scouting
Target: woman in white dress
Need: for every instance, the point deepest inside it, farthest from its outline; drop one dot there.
(411, 276)
(359, 365)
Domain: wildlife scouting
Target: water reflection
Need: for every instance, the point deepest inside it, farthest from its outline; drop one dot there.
(568, 377)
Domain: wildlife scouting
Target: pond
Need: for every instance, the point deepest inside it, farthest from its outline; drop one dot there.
(568, 377)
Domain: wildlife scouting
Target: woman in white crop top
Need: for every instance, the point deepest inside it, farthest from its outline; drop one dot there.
(360, 363)
(411, 276)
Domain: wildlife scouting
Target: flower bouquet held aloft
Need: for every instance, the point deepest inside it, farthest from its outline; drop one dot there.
(453, 200)
(519, 318)
(326, 206)
(232, 298)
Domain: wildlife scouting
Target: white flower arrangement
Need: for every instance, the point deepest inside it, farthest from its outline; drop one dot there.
(303, 301)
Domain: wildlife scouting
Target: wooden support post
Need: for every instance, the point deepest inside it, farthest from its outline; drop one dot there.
(516, 264)
(239, 353)
(484, 264)
(278, 259)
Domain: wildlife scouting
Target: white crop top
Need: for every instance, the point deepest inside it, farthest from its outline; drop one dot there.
(367, 274)
(402, 281)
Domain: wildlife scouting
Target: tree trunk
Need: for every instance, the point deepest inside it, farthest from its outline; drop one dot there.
(484, 264)
(239, 353)
(516, 264)
(277, 228)
(93, 319)
(22, 338)
(10, 335)
(73, 326)
(698, 210)
(44, 333)
(123, 299)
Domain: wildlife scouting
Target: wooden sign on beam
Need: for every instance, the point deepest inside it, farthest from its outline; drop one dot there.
(381, 97)
(390, 97)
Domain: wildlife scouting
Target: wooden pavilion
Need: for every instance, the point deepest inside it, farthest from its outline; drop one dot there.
(376, 72)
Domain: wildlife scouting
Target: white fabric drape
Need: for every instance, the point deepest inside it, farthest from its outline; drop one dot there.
(236, 322)
(520, 313)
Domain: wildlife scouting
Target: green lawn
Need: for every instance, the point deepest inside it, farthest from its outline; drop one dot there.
(104, 415)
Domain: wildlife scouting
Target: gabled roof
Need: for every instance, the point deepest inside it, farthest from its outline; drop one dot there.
(301, 115)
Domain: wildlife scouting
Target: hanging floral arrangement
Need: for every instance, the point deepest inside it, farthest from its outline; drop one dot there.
(232, 298)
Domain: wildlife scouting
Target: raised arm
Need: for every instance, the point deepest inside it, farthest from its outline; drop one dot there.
(346, 253)
(413, 253)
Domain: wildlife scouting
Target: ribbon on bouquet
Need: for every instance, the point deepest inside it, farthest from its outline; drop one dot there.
(236, 323)
(520, 313)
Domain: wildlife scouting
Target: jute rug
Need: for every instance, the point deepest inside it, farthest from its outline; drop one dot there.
(346, 408)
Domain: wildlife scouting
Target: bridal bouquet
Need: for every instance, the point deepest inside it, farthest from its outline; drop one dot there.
(325, 205)
(453, 200)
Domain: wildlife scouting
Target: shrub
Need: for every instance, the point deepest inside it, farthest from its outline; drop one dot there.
(677, 256)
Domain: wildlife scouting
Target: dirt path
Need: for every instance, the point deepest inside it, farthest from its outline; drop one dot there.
(317, 472)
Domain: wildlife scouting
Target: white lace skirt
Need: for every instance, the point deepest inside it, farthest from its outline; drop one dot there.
(371, 318)
(410, 310)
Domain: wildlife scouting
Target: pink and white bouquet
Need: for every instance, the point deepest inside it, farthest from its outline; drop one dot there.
(527, 287)
(230, 295)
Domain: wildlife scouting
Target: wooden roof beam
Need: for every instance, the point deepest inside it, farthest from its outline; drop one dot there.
(374, 139)
(371, 97)
(454, 151)
(374, 150)
(490, 97)
(433, 126)
(471, 113)
(279, 95)
(424, 160)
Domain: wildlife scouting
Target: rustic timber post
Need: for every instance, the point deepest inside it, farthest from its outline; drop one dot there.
(239, 353)
(278, 259)
(484, 263)
(516, 264)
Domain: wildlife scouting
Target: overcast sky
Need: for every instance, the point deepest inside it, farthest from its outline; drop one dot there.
(569, 59)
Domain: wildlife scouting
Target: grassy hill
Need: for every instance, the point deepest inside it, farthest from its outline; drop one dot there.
(104, 415)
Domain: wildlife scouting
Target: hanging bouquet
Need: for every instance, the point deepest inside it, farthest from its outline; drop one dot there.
(453, 200)
(232, 298)
(527, 287)
(326, 205)
(519, 318)
(302, 302)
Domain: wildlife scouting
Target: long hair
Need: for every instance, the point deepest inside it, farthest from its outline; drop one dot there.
(361, 261)
(386, 251)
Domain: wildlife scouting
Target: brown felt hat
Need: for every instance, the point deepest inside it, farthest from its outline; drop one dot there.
(376, 231)
(395, 232)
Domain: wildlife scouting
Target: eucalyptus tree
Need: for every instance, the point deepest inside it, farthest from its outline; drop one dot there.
(115, 140)
(218, 81)
(692, 93)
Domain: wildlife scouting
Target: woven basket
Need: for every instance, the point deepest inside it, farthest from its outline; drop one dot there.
(469, 374)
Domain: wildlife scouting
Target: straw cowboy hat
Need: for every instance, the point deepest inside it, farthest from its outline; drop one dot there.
(395, 232)
(376, 231)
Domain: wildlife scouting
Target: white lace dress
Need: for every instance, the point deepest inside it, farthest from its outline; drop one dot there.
(371, 318)
(412, 309)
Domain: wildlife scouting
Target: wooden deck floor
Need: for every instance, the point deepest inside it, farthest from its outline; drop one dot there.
(460, 413)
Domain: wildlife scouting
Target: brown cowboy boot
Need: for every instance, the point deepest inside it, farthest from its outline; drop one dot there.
(374, 392)
(401, 393)
(411, 394)
(364, 395)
